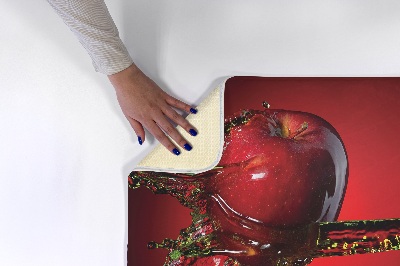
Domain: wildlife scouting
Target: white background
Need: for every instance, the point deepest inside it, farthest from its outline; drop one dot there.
(65, 147)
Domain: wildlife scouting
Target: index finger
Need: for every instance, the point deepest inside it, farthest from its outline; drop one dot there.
(180, 105)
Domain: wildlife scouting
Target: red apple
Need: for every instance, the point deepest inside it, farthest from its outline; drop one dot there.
(279, 170)
(291, 168)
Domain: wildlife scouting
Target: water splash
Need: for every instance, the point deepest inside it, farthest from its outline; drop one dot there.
(205, 242)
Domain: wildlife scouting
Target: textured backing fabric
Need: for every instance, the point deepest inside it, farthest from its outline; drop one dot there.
(207, 145)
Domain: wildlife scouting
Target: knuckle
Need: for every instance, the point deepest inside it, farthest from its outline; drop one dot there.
(160, 136)
(182, 105)
(165, 141)
(175, 116)
(133, 126)
(169, 129)
(174, 101)
(170, 146)
(186, 125)
(152, 109)
(181, 142)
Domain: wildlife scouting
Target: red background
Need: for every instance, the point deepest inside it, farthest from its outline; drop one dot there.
(365, 112)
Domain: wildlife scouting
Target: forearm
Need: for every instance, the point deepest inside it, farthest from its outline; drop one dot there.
(91, 22)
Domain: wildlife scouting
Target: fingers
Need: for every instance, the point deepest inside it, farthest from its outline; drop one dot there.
(179, 120)
(138, 128)
(171, 131)
(180, 105)
(161, 137)
(160, 127)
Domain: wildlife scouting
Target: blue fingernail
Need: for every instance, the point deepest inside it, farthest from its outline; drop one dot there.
(187, 147)
(140, 140)
(176, 152)
(192, 132)
(193, 111)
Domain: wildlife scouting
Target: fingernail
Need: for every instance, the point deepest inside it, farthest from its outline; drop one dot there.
(140, 140)
(176, 152)
(192, 132)
(193, 111)
(187, 147)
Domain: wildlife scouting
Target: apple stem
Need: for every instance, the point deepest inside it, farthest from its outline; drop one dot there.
(301, 129)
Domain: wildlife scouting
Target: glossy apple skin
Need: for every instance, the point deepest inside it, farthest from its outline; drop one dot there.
(280, 181)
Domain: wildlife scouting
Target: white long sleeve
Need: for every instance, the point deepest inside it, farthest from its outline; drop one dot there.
(91, 22)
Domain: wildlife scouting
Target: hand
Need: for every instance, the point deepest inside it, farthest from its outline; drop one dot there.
(145, 104)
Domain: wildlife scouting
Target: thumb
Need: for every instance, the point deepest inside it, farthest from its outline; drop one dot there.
(138, 128)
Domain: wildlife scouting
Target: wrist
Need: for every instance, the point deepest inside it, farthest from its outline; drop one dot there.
(128, 73)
